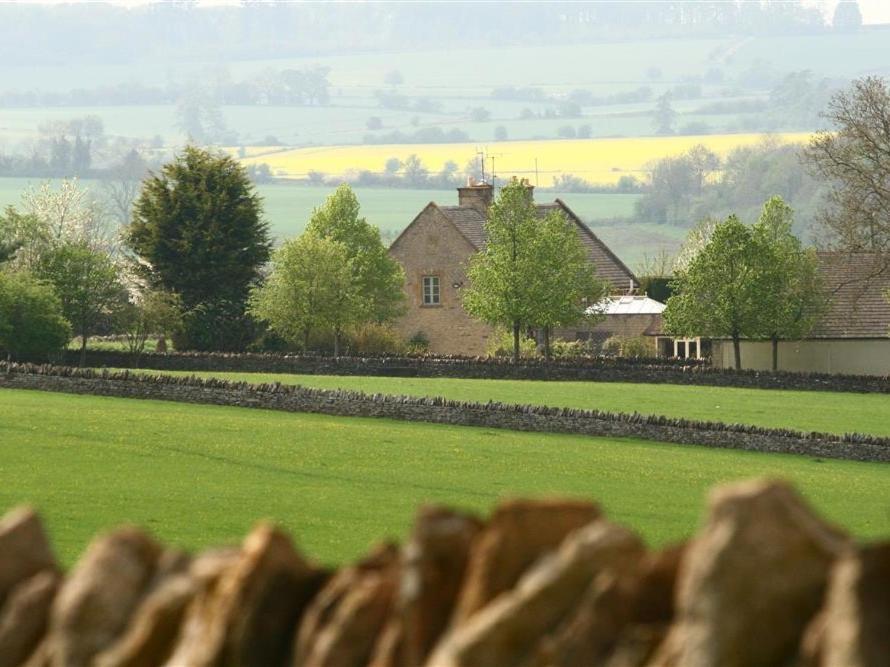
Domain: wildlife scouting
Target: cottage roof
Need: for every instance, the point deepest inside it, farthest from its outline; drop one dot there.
(857, 286)
(471, 223)
(630, 304)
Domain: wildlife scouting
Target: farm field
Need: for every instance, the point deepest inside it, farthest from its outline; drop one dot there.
(201, 475)
(828, 412)
(288, 208)
(601, 161)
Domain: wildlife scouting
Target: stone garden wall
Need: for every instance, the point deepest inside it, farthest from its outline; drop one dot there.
(541, 583)
(442, 411)
(597, 369)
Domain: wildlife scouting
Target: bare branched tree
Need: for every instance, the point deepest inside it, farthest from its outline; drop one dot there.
(123, 185)
(854, 157)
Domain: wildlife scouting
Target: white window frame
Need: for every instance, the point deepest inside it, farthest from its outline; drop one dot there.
(430, 291)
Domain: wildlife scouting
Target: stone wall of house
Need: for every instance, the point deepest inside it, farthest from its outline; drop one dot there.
(293, 398)
(593, 369)
(432, 246)
(765, 581)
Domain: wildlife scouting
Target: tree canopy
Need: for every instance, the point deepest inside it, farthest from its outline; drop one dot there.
(198, 231)
(31, 320)
(532, 272)
(378, 277)
(854, 158)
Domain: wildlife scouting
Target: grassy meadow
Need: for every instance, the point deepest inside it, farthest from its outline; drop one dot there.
(288, 207)
(601, 161)
(202, 475)
(829, 412)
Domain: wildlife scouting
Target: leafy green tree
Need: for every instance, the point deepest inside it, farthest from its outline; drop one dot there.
(564, 281)
(87, 284)
(378, 277)
(500, 290)
(664, 115)
(198, 230)
(31, 320)
(312, 286)
(532, 272)
(152, 312)
(792, 297)
(719, 292)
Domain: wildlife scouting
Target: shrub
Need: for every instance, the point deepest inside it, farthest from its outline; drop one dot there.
(31, 321)
(376, 339)
(628, 346)
(568, 348)
(501, 345)
(418, 343)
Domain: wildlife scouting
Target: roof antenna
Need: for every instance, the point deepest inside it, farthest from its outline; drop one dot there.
(481, 154)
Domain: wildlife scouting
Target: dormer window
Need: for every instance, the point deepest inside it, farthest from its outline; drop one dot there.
(431, 291)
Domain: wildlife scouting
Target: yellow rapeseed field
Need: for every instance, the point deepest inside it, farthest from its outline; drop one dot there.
(601, 161)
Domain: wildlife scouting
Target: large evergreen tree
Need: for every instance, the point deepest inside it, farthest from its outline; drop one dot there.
(199, 231)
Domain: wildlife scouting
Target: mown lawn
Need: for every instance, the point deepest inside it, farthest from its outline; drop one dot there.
(202, 475)
(828, 412)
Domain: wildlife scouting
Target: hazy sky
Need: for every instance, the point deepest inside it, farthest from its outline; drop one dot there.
(873, 11)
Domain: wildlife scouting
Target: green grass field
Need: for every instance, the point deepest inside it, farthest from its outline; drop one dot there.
(828, 412)
(202, 475)
(288, 207)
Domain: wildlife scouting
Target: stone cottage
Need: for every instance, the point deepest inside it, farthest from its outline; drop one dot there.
(435, 250)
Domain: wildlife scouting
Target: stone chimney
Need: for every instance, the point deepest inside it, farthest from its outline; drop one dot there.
(476, 195)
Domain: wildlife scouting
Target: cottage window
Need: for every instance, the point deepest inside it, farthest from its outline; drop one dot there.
(431, 291)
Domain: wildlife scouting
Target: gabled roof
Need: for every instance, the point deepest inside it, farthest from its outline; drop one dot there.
(630, 304)
(857, 286)
(471, 223)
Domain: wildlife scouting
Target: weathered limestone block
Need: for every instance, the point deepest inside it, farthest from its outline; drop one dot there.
(433, 569)
(95, 603)
(345, 621)
(752, 579)
(509, 630)
(622, 618)
(857, 611)
(24, 549)
(248, 606)
(24, 617)
(518, 534)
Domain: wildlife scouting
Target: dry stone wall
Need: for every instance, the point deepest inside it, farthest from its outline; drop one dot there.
(542, 583)
(290, 398)
(594, 369)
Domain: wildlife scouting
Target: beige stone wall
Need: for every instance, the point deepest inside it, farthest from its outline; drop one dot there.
(854, 357)
(432, 246)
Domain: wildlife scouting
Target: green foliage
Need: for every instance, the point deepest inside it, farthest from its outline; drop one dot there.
(86, 281)
(629, 346)
(501, 345)
(419, 343)
(22, 237)
(378, 277)
(197, 228)
(569, 348)
(532, 272)
(311, 287)
(719, 293)
(153, 313)
(374, 338)
(31, 321)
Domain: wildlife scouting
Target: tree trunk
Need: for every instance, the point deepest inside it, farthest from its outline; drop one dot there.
(547, 343)
(775, 342)
(516, 342)
(336, 341)
(306, 340)
(83, 349)
(737, 352)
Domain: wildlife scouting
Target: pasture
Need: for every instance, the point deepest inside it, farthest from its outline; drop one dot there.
(601, 161)
(828, 412)
(288, 207)
(201, 475)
